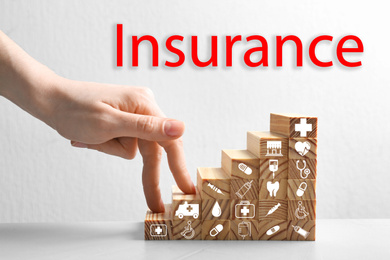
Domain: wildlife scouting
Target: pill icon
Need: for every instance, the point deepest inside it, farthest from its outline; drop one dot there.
(215, 231)
(245, 169)
(273, 230)
(301, 189)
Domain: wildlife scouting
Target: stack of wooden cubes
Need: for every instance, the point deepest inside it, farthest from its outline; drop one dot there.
(267, 192)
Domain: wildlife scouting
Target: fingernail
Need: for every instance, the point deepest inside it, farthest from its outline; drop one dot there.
(79, 145)
(173, 128)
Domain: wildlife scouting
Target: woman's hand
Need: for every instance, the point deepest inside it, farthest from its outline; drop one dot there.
(109, 118)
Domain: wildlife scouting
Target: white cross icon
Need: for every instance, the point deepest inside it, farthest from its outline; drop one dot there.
(158, 230)
(244, 211)
(303, 127)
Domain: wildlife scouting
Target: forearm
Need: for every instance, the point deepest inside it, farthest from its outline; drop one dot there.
(25, 81)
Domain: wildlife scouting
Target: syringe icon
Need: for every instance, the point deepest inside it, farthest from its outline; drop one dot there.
(273, 209)
(215, 188)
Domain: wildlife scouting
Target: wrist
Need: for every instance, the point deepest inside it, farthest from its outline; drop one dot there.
(35, 91)
(45, 97)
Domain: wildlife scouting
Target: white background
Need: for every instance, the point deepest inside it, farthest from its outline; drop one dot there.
(44, 179)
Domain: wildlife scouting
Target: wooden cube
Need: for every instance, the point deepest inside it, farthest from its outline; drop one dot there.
(185, 206)
(244, 189)
(301, 210)
(215, 209)
(302, 169)
(240, 164)
(243, 209)
(301, 189)
(274, 168)
(294, 125)
(273, 209)
(302, 230)
(302, 148)
(158, 226)
(187, 229)
(213, 183)
(216, 230)
(267, 145)
(272, 189)
(273, 229)
(244, 229)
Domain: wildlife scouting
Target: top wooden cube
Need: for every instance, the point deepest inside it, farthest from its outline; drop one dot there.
(213, 183)
(294, 125)
(266, 145)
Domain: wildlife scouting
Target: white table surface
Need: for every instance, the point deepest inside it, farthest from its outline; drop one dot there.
(336, 239)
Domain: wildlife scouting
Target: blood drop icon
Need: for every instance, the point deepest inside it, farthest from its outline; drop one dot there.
(216, 210)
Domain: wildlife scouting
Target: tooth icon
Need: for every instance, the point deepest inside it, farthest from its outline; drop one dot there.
(272, 188)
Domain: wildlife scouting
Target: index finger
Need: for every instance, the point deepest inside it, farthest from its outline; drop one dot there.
(151, 154)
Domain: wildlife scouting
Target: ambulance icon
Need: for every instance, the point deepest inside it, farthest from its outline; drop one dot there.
(187, 210)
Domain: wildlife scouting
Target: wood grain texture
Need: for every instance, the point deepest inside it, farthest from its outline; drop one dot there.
(209, 180)
(267, 225)
(279, 214)
(295, 206)
(237, 205)
(244, 229)
(265, 194)
(299, 187)
(307, 234)
(179, 198)
(236, 162)
(209, 225)
(180, 226)
(284, 124)
(257, 144)
(158, 226)
(209, 205)
(310, 171)
(244, 189)
(281, 173)
(311, 154)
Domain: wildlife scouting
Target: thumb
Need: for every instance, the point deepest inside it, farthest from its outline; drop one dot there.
(150, 128)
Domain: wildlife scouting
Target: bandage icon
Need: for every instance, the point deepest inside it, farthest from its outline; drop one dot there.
(273, 230)
(245, 169)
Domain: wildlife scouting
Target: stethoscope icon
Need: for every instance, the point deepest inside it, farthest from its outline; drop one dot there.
(303, 171)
